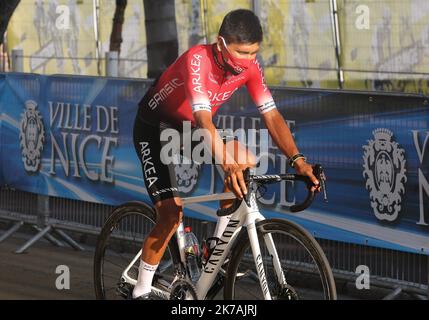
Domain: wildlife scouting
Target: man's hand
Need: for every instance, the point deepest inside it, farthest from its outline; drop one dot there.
(306, 169)
(234, 179)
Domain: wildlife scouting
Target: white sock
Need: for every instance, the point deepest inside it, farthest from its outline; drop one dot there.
(144, 279)
(221, 225)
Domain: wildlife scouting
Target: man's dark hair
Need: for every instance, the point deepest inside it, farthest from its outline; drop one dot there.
(241, 26)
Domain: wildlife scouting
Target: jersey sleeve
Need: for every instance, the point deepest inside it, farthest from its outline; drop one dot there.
(258, 89)
(195, 76)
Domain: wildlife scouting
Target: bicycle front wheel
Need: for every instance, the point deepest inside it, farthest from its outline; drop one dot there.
(302, 272)
(119, 244)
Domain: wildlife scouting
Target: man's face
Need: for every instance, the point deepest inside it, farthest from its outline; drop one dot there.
(239, 50)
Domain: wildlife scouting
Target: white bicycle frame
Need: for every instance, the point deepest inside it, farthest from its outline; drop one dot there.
(246, 216)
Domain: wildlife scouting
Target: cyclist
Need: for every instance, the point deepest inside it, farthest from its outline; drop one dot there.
(192, 89)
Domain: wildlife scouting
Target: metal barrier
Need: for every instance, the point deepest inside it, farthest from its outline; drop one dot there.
(24, 208)
(390, 269)
(76, 215)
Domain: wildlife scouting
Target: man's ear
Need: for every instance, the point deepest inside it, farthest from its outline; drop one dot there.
(218, 44)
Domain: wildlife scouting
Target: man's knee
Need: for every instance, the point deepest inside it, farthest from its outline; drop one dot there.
(169, 203)
(170, 212)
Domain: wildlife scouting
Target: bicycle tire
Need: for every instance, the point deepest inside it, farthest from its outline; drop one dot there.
(139, 210)
(282, 227)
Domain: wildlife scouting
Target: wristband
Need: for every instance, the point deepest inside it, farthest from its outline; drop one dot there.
(296, 157)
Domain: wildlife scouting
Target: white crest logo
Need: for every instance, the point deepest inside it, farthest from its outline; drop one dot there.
(384, 165)
(31, 137)
(186, 175)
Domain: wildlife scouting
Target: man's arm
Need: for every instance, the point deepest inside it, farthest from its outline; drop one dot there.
(282, 137)
(195, 76)
(274, 121)
(233, 174)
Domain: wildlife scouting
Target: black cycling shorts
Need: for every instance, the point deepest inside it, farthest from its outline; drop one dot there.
(159, 178)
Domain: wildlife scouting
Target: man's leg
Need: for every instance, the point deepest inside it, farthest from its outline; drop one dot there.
(162, 188)
(170, 215)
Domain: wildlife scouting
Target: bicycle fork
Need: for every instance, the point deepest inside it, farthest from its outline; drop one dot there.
(257, 256)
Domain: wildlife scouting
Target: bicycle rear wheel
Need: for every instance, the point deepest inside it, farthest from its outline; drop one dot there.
(305, 267)
(118, 244)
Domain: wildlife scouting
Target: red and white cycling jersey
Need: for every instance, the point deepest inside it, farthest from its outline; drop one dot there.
(197, 81)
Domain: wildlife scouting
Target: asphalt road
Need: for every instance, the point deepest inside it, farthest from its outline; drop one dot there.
(32, 275)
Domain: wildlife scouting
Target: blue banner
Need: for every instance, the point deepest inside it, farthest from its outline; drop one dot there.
(72, 137)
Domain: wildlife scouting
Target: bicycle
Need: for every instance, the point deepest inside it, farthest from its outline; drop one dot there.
(274, 259)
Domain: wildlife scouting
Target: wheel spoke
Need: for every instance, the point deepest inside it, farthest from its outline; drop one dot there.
(300, 274)
(118, 246)
(114, 263)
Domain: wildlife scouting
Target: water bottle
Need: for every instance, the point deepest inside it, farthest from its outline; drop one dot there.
(192, 254)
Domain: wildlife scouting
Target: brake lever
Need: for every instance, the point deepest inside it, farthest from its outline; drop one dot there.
(320, 175)
(246, 176)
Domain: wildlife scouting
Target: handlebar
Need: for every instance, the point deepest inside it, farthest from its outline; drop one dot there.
(268, 179)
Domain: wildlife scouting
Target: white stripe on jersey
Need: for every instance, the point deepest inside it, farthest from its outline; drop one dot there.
(268, 106)
(201, 106)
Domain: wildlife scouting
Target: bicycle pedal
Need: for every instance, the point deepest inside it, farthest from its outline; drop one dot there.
(124, 290)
